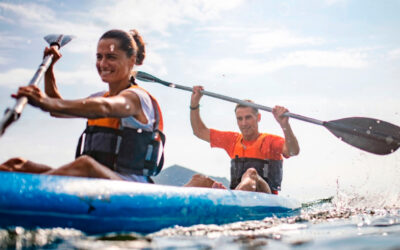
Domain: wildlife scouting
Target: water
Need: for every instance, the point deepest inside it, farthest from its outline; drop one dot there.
(340, 222)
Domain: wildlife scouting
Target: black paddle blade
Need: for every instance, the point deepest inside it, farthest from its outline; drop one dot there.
(9, 117)
(372, 135)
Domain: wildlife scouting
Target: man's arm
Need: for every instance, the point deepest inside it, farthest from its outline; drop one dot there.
(199, 128)
(291, 146)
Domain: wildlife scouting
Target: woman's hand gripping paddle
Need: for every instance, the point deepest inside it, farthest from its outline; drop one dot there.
(12, 114)
(369, 134)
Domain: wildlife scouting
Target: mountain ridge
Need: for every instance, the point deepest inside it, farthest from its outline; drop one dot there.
(176, 175)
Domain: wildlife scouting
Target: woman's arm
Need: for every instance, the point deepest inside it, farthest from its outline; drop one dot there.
(125, 104)
(50, 86)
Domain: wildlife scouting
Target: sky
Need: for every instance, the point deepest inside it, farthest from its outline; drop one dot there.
(326, 59)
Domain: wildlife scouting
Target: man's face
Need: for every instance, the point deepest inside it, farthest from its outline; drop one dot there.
(247, 121)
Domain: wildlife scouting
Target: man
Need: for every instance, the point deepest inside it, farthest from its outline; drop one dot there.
(256, 158)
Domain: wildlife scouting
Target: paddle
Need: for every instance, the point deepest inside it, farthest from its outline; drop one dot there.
(13, 114)
(372, 135)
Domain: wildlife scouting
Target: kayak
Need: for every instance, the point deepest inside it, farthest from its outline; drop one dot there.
(97, 206)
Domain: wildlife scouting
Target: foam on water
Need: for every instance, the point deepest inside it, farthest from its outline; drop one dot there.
(345, 221)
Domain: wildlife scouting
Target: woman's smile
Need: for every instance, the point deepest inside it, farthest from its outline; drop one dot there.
(112, 63)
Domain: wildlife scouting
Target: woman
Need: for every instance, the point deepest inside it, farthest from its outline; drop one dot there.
(123, 138)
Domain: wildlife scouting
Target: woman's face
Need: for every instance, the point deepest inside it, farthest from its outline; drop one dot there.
(112, 63)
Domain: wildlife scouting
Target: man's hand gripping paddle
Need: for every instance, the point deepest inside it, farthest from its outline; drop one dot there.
(12, 114)
(371, 135)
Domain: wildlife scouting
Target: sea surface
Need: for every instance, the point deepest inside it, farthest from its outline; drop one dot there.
(338, 222)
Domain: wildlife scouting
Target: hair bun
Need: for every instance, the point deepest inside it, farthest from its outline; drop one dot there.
(133, 33)
(141, 52)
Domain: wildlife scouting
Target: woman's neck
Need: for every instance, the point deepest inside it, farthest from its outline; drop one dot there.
(115, 88)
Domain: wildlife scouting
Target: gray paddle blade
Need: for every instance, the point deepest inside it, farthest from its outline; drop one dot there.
(372, 135)
(145, 77)
(58, 39)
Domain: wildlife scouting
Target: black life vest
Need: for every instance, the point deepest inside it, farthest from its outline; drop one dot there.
(126, 150)
(269, 170)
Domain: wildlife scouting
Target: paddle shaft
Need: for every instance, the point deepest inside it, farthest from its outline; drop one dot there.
(371, 135)
(242, 102)
(328, 125)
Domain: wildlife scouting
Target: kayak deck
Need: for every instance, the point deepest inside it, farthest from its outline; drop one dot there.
(99, 206)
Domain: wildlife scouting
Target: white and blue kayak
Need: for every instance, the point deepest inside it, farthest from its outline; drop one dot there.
(97, 206)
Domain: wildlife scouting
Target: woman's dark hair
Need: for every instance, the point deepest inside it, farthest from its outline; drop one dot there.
(130, 42)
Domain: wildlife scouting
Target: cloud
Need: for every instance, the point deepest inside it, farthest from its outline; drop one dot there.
(155, 15)
(31, 12)
(78, 77)
(158, 15)
(21, 76)
(41, 19)
(12, 41)
(259, 42)
(154, 62)
(3, 60)
(319, 58)
(333, 2)
(16, 77)
(308, 58)
(6, 20)
(88, 25)
(394, 54)
(87, 76)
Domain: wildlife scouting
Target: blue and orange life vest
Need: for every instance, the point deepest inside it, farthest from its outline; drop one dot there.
(125, 149)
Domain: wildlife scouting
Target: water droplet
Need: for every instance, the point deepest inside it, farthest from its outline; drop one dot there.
(389, 140)
(127, 106)
(83, 102)
(368, 132)
(112, 46)
(370, 127)
(377, 121)
(139, 130)
(172, 85)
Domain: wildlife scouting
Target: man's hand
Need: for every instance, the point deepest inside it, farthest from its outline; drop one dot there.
(278, 112)
(291, 146)
(196, 96)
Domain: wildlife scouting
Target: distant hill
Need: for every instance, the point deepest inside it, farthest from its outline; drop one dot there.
(176, 175)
